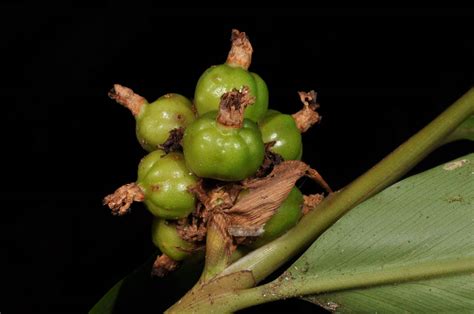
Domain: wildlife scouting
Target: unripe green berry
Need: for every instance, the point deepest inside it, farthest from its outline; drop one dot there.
(156, 120)
(167, 239)
(234, 74)
(223, 78)
(282, 130)
(285, 218)
(224, 153)
(165, 180)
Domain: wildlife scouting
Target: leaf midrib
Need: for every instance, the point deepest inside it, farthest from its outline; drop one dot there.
(287, 286)
(311, 284)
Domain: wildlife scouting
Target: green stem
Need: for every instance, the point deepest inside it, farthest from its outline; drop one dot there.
(293, 287)
(465, 131)
(270, 257)
(265, 260)
(217, 253)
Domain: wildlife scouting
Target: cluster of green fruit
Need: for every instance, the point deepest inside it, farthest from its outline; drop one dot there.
(215, 138)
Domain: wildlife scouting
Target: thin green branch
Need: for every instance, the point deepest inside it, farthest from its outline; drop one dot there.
(217, 253)
(287, 287)
(270, 257)
(265, 260)
(463, 132)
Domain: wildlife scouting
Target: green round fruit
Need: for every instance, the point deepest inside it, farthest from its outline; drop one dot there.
(165, 180)
(157, 119)
(282, 129)
(212, 150)
(220, 79)
(166, 238)
(285, 218)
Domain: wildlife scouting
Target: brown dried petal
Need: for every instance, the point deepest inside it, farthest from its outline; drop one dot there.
(241, 51)
(223, 197)
(265, 195)
(232, 107)
(173, 143)
(163, 265)
(271, 160)
(311, 201)
(308, 116)
(119, 201)
(192, 229)
(127, 98)
(313, 174)
(239, 216)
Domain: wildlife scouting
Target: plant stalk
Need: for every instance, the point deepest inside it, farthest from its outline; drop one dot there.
(465, 131)
(296, 287)
(217, 253)
(265, 260)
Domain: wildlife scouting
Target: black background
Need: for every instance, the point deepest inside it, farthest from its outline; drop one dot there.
(380, 75)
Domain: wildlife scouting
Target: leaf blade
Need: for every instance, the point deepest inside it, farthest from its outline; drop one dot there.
(139, 292)
(427, 217)
(452, 294)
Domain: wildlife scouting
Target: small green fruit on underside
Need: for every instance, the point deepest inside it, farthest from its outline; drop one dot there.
(285, 218)
(282, 130)
(285, 130)
(167, 239)
(165, 180)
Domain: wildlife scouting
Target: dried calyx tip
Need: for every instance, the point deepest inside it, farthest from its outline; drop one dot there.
(163, 265)
(121, 200)
(240, 53)
(314, 175)
(270, 160)
(311, 201)
(307, 116)
(127, 98)
(232, 107)
(173, 143)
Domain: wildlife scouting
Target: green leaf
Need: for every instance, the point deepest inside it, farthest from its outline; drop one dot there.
(465, 131)
(409, 248)
(138, 292)
(108, 302)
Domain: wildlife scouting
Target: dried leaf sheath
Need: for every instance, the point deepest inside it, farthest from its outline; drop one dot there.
(265, 195)
(240, 215)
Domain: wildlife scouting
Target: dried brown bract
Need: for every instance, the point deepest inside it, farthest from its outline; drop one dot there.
(127, 98)
(119, 201)
(232, 107)
(308, 116)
